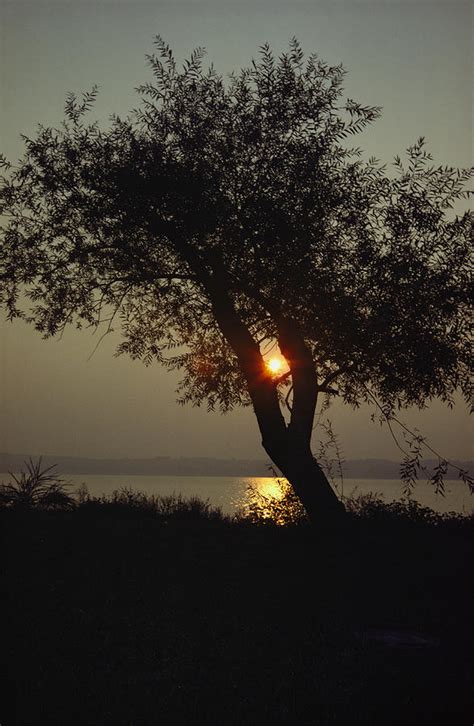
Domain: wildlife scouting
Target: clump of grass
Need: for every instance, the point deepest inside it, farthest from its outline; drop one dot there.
(129, 502)
(36, 488)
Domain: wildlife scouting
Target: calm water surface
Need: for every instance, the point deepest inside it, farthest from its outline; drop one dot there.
(230, 492)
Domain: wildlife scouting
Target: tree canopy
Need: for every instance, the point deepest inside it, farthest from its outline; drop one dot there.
(224, 214)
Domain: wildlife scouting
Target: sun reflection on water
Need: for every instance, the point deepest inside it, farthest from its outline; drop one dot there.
(270, 499)
(270, 488)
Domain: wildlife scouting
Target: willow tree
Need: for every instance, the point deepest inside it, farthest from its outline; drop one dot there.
(222, 216)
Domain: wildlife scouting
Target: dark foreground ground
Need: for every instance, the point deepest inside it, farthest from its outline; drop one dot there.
(114, 617)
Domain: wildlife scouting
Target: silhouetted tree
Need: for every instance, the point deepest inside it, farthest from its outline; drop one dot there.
(224, 215)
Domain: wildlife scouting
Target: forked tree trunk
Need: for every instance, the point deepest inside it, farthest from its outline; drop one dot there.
(289, 449)
(288, 446)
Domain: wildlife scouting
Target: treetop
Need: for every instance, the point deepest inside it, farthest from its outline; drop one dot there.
(247, 190)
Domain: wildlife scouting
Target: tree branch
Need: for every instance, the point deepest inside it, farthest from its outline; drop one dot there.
(282, 378)
(332, 376)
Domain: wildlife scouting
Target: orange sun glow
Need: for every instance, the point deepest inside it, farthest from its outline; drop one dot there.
(274, 365)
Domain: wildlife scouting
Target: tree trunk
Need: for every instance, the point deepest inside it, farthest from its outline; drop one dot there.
(309, 483)
(288, 446)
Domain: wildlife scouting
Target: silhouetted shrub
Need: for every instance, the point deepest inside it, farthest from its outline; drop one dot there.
(36, 488)
(283, 509)
(39, 488)
(372, 508)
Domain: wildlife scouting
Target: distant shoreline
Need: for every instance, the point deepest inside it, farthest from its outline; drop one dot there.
(207, 466)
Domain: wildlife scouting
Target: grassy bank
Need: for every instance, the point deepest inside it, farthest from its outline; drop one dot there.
(140, 611)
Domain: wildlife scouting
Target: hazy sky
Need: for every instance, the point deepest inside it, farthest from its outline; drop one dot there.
(411, 57)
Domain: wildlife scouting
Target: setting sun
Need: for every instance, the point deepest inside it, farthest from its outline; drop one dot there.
(275, 365)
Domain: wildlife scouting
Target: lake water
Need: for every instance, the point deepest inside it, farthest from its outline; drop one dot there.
(230, 492)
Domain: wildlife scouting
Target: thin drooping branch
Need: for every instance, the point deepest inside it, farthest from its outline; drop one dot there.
(389, 418)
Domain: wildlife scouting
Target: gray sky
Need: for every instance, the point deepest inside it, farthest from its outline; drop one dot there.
(413, 58)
